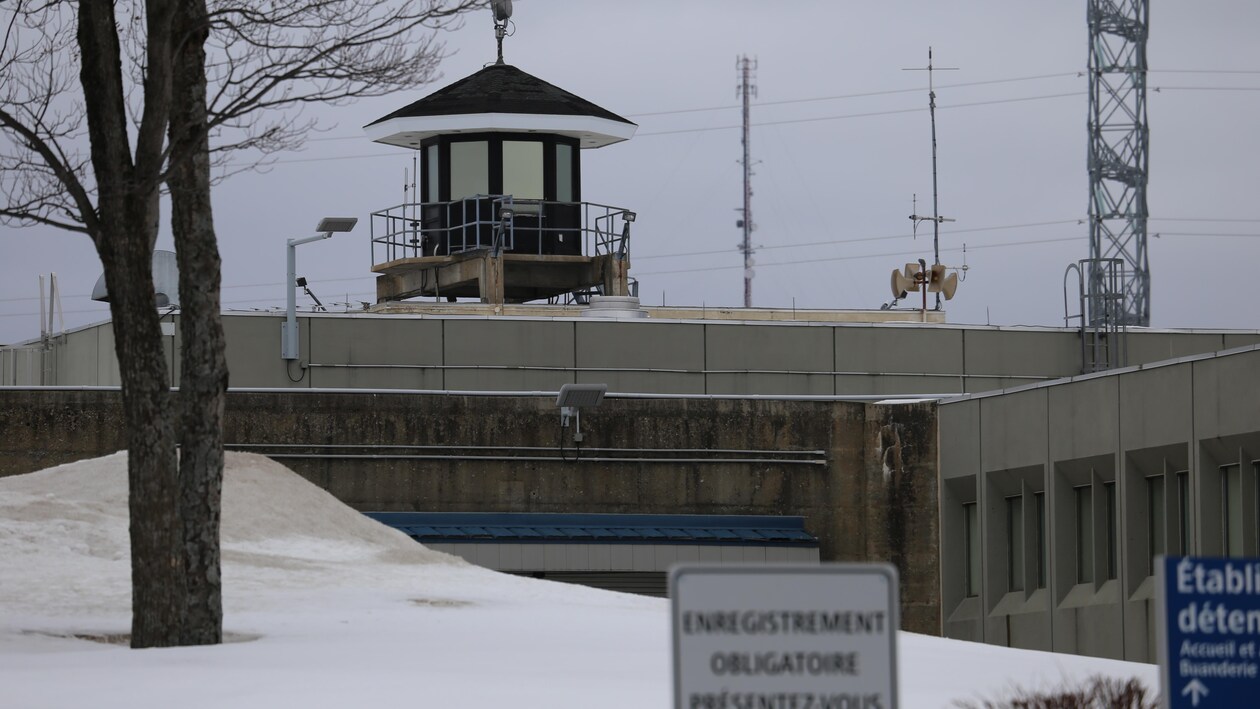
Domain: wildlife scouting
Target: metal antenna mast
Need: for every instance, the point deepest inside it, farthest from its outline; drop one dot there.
(747, 90)
(936, 217)
(1119, 146)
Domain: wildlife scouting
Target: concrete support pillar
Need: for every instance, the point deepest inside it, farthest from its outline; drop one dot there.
(616, 276)
(491, 283)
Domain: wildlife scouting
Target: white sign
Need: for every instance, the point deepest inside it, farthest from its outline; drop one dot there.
(772, 636)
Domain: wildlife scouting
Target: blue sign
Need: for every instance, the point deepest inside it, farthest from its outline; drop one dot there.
(1209, 625)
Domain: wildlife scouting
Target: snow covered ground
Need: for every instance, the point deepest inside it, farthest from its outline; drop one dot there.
(326, 608)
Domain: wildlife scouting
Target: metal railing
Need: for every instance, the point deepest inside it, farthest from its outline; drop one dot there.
(499, 222)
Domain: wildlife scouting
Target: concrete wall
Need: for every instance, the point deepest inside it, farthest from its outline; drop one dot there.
(496, 353)
(1133, 434)
(862, 475)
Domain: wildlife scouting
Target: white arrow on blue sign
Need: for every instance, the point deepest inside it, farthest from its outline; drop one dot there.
(1209, 631)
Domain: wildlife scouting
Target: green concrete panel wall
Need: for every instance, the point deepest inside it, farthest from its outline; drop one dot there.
(888, 359)
(644, 356)
(503, 355)
(769, 359)
(1021, 356)
(352, 353)
(253, 353)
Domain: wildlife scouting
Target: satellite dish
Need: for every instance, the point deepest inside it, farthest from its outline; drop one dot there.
(502, 9)
(165, 281)
(949, 285)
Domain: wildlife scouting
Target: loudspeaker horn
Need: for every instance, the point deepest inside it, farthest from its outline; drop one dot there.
(901, 284)
(936, 274)
(949, 286)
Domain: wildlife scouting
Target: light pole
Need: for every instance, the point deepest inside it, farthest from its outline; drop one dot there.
(289, 329)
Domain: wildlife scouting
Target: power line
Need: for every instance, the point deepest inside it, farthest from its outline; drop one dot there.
(272, 284)
(1201, 219)
(1157, 89)
(870, 94)
(1203, 71)
(734, 127)
(901, 254)
(887, 237)
(897, 254)
(838, 97)
(868, 115)
(811, 99)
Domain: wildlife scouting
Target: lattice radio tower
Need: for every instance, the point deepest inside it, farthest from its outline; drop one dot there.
(1119, 147)
(746, 90)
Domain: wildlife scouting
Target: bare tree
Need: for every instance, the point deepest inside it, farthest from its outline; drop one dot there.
(192, 80)
(112, 195)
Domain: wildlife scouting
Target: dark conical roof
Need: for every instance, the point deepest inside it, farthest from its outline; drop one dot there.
(502, 88)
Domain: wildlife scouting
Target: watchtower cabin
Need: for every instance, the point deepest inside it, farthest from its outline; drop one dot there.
(498, 212)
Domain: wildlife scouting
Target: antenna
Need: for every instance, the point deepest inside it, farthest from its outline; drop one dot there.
(936, 217)
(747, 90)
(502, 15)
(1118, 161)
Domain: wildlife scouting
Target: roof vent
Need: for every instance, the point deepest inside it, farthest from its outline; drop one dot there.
(614, 306)
(165, 281)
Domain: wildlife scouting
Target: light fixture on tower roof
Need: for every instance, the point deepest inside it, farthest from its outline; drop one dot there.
(502, 15)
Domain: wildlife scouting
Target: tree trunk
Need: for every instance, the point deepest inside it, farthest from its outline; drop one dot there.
(203, 376)
(157, 563)
(124, 234)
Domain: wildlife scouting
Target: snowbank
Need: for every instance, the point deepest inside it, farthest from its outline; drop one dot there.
(341, 611)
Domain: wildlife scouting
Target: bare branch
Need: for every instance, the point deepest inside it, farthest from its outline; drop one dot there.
(43, 174)
(268, 57)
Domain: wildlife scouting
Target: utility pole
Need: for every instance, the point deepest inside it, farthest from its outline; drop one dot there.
(936, 217)
(747, 90)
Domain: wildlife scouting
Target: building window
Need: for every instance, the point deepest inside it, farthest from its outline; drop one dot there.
(1113, 541)
(1039, 502)
(431, 178)
(1232, 509)
(1156, 527)
(1183, 512)
(564, 173)
(1015, 543)
(1084, 533)
(971, 534)
(470, 171)
(523, 169)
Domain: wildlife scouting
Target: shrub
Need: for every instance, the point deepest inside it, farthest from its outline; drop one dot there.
(1098, 693)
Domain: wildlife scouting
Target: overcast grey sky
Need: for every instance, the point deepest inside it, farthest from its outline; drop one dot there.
(836, 166)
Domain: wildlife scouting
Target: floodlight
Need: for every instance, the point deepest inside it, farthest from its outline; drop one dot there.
(289, 328)
(628, 216)
(506, 213)
(338, 224)
(571, 400)
(581, 396)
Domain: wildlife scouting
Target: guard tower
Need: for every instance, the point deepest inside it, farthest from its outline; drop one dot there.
(498, 211)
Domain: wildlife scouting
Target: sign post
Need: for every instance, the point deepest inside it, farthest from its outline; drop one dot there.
(785, 636)
(1209, 632)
